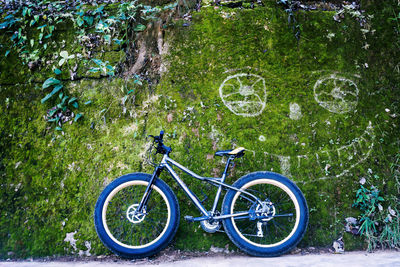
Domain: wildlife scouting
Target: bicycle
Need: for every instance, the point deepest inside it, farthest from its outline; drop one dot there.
(263, 213)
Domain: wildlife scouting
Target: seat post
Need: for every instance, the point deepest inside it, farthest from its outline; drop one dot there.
(228, 162)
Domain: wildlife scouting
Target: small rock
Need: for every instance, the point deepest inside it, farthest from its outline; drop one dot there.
(338, 246)
(216, 249)
(296, 251)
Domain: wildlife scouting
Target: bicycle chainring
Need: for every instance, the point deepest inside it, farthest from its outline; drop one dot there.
(210, 226)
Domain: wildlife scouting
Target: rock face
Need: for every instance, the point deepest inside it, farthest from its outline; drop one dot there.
(312, 109)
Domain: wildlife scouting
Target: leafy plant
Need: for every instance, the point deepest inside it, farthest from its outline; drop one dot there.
(380, 217)
(31, 26)
(103, 67)
(65, 57)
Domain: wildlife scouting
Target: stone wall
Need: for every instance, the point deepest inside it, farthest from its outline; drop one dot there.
(322, 110)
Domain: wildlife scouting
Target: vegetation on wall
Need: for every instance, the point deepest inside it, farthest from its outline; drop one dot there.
(32, 27)
(50, 181)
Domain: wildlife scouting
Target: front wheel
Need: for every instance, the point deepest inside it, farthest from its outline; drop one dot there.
(278, 217)
(129, 233)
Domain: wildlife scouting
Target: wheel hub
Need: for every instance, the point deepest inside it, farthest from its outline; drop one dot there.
(133, 215)
(266, 208)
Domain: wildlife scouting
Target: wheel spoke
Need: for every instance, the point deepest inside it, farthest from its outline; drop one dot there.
(278, 209)
(139, 229)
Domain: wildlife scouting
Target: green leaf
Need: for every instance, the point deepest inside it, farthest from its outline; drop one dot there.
(7, 52)
(55, 90)
(61, 62)
(79, 21)
(107, 38)
(138, 82)
(75, 105)
(51, 120)
(97, 61)
(89, 20)
(118, 42)
(64, 99)
(94, 70)
(57, 71)
(58, 128)
(32, 42)
(64, 54)
(73, 99)
(139, 28)
(51, 113)
(78, 116)
(99, 9)
(49, 82)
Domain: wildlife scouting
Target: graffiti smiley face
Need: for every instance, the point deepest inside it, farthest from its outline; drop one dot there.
(320, 143)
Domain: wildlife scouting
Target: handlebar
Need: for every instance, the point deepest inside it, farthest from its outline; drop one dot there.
(161, 148)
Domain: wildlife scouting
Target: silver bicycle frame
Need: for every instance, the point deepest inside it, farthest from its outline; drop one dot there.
(166, 162)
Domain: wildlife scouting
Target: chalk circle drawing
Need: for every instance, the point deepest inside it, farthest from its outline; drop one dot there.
(336, 93)
(244, 94)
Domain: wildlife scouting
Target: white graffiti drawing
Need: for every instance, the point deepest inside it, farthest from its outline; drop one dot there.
(336, 93)
(340, 160)
(295, 111)
(348, 156)
(244, 94)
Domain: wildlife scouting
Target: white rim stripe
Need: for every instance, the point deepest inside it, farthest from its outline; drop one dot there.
(115, 191)
(284, 188)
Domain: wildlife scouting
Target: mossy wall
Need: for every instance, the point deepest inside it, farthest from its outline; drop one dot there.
(230, 77)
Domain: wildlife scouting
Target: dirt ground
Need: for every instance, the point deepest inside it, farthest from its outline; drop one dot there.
(221, 258)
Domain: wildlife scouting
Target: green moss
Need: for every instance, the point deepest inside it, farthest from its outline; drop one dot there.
(326, 151)
(50, 180)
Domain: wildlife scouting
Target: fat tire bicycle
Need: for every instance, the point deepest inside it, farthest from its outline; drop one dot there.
(264, 213)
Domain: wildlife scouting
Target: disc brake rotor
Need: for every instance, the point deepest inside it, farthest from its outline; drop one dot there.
(133, 216)
(266, 208)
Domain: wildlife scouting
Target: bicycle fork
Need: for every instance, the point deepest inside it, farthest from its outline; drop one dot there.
(149, 188)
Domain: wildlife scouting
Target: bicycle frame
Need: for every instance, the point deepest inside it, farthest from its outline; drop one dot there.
(166, 163)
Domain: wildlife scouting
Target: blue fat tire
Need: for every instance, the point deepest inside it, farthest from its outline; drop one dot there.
(162, 241)
(252, 249)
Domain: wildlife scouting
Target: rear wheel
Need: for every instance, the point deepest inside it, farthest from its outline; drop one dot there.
(127, 232)
(279, 217)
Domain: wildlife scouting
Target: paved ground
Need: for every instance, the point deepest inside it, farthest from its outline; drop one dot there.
(352, 259)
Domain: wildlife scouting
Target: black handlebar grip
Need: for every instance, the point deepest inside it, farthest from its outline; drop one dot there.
(161, 134)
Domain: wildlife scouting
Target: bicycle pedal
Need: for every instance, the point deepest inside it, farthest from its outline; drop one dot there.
(189, 218)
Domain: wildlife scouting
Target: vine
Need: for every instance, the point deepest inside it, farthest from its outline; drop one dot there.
(31, 27)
